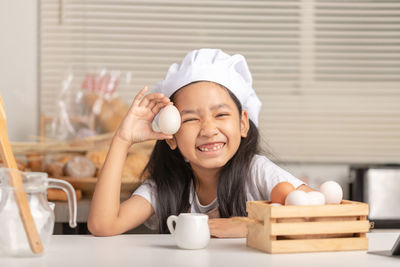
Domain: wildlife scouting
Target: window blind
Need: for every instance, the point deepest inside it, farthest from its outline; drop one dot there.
(327, 72)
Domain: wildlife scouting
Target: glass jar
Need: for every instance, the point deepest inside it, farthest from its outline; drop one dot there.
(13, 238)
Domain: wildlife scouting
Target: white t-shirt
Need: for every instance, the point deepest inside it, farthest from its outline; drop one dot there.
(264, 176)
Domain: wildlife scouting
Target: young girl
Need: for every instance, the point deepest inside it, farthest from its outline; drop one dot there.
(211, 165)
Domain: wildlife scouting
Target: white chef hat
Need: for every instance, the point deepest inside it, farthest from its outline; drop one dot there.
(216, 66)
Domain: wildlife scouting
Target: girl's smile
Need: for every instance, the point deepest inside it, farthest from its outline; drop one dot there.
(211, 147)
(211, 150)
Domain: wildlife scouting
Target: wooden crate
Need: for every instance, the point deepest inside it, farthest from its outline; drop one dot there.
(292, 229)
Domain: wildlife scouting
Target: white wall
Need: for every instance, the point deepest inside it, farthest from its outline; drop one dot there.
(19, 67)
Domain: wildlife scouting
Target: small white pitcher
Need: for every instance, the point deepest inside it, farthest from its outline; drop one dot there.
(191, 230)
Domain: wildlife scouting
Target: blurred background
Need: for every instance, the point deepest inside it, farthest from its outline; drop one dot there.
(327, 72)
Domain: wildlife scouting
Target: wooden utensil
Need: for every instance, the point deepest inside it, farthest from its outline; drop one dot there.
(16, 181)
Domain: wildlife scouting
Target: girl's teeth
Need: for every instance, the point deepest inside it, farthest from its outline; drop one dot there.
(205, 149)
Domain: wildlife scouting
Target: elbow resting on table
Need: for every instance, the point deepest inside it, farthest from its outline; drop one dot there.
(97, 228)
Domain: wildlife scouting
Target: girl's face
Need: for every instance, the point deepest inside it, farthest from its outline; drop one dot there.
(211, 127)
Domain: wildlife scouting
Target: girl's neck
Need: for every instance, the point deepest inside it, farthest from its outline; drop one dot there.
(206, 177)
(206, 184)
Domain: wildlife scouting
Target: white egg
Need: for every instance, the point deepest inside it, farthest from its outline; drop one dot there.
(316, 198)
(169, 120)
(155, 126)
(333, 192)
(298, 198)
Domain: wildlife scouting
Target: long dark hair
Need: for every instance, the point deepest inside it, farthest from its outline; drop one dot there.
(173, 176)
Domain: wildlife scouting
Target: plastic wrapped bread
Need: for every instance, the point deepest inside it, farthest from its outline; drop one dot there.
(79, 167)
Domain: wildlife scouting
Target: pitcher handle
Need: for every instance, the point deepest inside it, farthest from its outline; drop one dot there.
(69, 190)
(170, 221)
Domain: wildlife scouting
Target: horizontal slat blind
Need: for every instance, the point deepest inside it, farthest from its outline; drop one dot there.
(327, 72)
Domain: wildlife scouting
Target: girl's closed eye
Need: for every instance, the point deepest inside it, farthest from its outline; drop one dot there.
(189, 120)
(222, 115)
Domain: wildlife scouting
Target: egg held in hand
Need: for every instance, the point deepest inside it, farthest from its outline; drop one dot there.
(280, 192)
(168, 120)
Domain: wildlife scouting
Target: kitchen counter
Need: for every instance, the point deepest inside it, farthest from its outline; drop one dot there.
(160, 250)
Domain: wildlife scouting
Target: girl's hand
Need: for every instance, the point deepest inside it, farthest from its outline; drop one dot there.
(225, 227)
(136, 126)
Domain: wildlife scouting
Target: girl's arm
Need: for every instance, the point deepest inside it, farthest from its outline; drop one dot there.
(107, 216)
(226, 227)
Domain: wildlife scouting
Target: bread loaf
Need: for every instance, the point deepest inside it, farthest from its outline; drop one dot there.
(97, 157)
(79, 167)
(111, 113)
(54, 169)
(134, 165)
(35, 162)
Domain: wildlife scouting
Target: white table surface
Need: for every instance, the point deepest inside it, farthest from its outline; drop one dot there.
(160, 250)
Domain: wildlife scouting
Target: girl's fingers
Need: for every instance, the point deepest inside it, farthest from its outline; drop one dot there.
(152, 104)
(145, 101)
(139, 96)
(159, 106)
(148, 100)
(156, 98)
